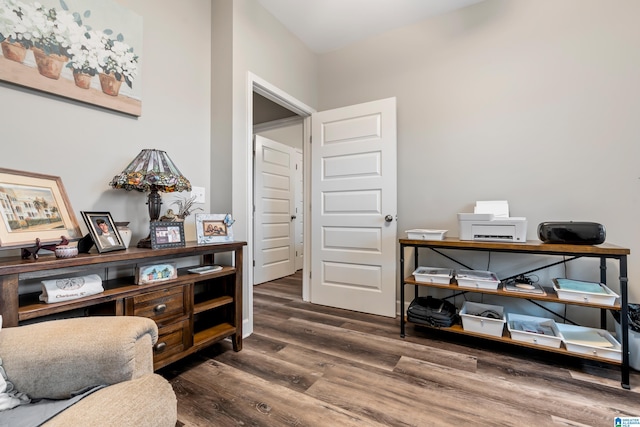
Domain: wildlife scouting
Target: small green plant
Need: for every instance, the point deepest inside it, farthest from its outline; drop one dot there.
(185, 206)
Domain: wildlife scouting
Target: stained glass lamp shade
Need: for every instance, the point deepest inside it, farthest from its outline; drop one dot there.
(152, 171)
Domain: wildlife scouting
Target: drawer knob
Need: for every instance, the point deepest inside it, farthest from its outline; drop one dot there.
(160, 308)
(159, 347)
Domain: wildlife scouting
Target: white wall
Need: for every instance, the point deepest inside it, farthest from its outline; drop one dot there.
(262, 47)
(86, 146)
(532, 102)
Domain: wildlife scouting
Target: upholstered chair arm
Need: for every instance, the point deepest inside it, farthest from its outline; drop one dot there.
(56, 358)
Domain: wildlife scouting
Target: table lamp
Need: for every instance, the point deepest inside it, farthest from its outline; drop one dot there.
(152, 171)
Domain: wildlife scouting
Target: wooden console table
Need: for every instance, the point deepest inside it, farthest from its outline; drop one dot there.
(603, 252)
(191, 311)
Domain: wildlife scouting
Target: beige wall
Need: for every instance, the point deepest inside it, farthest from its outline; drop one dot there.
(534, 102)
(86, 146)
(263, 48)
(289, 135)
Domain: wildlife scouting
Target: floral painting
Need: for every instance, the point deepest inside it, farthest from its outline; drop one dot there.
(87, 50)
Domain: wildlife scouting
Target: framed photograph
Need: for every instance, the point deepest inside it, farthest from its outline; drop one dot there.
(166, 234)
(103, 231)
(214, 228)
(34, 206)
(153, 273)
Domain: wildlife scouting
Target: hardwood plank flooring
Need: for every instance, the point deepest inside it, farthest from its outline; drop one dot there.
(309, 365)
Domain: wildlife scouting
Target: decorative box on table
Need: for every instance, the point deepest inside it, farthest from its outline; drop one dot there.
(153, 273)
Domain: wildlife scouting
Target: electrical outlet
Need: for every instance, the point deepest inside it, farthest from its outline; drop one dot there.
(198, 192)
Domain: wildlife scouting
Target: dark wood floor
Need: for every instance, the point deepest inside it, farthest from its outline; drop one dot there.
(309, 365)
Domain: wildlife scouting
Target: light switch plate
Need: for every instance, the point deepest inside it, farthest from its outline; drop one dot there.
(198, 192)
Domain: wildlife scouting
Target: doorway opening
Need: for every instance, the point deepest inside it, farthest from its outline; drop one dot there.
(278, 197)
(275, 110)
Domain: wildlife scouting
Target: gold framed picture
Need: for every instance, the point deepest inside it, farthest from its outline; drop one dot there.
(34, 206)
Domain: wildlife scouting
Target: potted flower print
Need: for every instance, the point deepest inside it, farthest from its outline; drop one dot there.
(117, 63)
(84, 50)
(50, 34)
(14, 37)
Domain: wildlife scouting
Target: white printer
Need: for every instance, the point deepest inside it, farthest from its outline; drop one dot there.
(490, 221)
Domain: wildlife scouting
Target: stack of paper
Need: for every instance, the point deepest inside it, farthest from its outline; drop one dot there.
(499, 208)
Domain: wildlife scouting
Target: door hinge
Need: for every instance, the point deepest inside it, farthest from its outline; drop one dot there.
(254, 262)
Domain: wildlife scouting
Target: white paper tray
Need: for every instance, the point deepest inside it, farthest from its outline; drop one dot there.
(544, 340)
(433, 275)
(472, 322)
(477, 279)
(425, 234)
(608, 298)
(577, 338)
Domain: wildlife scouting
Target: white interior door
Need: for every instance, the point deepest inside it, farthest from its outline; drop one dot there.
(354, 205)
(274, 251)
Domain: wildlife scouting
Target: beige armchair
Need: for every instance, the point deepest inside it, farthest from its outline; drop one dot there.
(51, 360)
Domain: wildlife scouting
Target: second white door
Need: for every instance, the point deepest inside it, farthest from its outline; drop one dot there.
(274, 253)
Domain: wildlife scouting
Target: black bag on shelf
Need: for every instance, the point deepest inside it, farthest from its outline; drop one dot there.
(432, 311)
(633, 314)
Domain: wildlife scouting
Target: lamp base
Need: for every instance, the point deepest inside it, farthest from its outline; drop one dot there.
(145, 243)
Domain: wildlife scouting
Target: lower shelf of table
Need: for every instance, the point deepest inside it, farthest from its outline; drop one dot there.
(213, 334)
(505, 338)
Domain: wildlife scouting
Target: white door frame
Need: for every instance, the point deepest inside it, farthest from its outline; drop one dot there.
(273, 93)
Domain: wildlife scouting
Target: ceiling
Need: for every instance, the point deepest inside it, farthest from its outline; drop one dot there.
(327, 25)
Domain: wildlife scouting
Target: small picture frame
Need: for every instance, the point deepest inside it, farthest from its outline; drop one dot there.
(214, 228)
(153, 273)
(167, 234)
(103, 231)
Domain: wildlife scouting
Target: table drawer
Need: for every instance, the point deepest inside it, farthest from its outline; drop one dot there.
(162, 305)
(172, 339)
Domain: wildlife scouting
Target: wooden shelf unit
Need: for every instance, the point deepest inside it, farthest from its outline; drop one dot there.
(603, 252)
(191, 311)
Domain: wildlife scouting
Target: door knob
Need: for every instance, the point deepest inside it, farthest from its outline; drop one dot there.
(388, 218)
(293, 217)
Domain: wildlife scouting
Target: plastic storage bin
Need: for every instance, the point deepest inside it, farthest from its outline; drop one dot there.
(591, 341)
(588, 292)
(425, 234)
(477, 279)
(534, 330)
(433, 275)
(475, 318)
